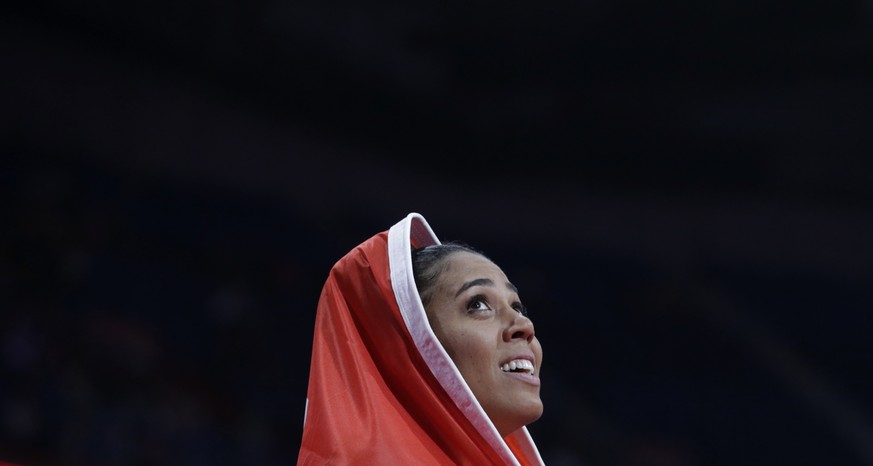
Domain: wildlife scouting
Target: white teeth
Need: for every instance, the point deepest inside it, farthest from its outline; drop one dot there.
(515, 364)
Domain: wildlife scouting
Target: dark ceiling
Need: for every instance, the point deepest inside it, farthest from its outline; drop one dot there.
(718, 96)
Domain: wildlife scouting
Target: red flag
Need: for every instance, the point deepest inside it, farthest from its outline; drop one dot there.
(382, 390)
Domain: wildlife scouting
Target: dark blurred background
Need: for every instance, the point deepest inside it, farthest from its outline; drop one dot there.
(682, 191)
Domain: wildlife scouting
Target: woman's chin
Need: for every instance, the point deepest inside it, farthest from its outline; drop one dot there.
(522, 415)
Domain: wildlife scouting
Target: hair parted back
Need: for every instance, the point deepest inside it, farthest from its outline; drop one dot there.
(429, 262)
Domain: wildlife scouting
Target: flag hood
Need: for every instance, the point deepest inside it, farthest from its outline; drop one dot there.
(382, 389)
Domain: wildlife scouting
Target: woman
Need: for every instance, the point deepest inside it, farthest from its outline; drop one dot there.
(452, 378)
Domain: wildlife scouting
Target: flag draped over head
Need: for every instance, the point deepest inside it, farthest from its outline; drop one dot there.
(382, 390)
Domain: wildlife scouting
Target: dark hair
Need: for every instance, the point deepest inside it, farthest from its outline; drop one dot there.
(428, 264)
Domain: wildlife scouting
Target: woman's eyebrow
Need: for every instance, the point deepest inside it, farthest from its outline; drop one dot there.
(482, 282)
(472, 283)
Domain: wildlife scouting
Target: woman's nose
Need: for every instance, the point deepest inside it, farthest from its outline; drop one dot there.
(520, 328)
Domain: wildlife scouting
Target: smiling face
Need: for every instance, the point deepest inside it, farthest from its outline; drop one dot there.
(477, 315)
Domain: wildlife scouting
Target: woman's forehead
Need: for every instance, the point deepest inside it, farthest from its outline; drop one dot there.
(462, 266)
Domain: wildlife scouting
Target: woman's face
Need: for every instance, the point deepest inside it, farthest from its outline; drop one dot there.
(477, 315)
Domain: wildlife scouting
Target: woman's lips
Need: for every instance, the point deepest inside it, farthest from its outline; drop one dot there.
(524, 377)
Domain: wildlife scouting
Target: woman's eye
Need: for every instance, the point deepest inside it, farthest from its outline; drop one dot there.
(521, 308)
(477, 303)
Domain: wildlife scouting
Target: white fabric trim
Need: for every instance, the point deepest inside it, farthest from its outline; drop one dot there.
(414, 230)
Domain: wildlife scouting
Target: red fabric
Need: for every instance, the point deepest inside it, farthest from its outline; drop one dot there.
(371, 398)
